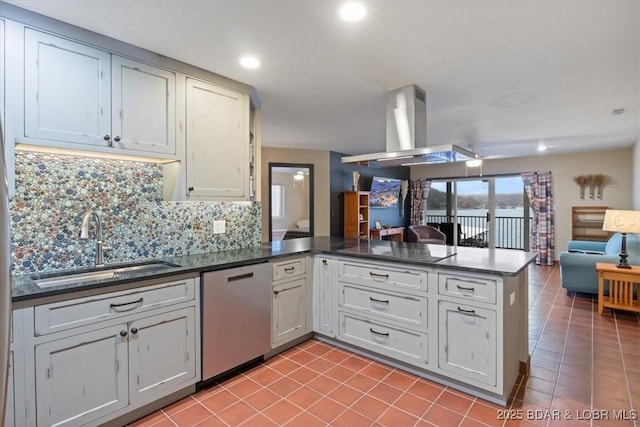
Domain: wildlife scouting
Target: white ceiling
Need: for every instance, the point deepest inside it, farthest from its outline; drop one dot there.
(500, 75)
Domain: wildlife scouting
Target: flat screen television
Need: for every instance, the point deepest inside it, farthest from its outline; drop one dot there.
(384, 192)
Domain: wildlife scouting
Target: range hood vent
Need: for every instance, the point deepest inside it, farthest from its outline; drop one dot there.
(407, 135)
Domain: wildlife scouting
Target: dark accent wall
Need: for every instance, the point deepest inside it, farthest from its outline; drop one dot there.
(341, 180)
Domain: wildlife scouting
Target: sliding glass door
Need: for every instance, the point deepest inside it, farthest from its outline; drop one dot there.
(480, 212)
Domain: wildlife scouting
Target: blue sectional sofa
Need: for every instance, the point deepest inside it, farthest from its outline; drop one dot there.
(578, 264)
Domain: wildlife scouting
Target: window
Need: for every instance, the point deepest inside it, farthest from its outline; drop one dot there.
(277, 201)
(488, 211)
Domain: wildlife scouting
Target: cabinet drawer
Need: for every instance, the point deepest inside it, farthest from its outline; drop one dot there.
(290, 268)
(467, 287)
(382, 274)
(73, 313)
(409, 309)
(402, 344)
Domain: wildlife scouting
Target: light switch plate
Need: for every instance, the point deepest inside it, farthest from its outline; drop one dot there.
(219, 226)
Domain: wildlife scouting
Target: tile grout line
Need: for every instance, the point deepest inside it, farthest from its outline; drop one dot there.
(624, 368)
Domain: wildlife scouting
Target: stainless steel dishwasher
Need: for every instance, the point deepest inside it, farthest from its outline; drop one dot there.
(236, 317)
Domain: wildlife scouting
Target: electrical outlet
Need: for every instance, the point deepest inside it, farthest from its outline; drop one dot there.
(219, 226)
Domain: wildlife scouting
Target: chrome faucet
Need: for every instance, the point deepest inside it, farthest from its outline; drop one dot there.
(84, 235)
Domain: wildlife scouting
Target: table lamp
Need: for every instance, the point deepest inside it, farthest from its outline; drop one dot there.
(623, 222)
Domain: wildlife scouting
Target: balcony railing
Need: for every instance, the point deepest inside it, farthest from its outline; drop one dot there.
(472, 230)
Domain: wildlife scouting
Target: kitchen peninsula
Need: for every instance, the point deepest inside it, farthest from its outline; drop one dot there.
(455, 315)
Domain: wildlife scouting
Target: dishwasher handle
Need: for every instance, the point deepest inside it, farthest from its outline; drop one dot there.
(240, 277)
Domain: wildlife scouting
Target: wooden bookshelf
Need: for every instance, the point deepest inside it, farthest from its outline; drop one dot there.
(356, 214)
(586, 223)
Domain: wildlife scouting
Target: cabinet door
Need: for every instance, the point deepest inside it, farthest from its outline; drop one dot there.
(323, 297)
(217, 141)
(9, 416)
(144, 107)
(288, 311)
(82, 377)
(468, 344)
(161, 354)
(66, 90)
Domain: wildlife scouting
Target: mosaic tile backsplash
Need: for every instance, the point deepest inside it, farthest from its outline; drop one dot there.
(53, 191)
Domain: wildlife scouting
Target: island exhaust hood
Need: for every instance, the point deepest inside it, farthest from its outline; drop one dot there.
(407, 135)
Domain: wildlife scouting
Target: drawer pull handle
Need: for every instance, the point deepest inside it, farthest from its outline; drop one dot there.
(382, 334)
(462, 310)
(462, 288)
(379, 301)
(240, 277)
(475, 282)
(138, 301)
(289, 270)
(382, 276)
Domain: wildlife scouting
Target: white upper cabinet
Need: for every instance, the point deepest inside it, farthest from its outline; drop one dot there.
(217, 142)
(66, 90)
(78, 94)
(143, 106)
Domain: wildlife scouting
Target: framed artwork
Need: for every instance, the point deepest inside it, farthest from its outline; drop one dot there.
(377, 225)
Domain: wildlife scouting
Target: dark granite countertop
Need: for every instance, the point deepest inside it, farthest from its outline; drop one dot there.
(500, 262)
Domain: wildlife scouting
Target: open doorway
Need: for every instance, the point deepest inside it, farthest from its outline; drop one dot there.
(290, 201)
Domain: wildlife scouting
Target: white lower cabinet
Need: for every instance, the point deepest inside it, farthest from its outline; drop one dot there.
(87, 374)
(82, 377)
(323, 297)
(291, 300)
(161, 354)
(10, 408)
(288, 311)
(468, 342)
(384, 308)
(451, 324)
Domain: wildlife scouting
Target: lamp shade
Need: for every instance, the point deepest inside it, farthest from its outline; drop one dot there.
(621, 221)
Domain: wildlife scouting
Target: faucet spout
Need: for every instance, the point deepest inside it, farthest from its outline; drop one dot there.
(84, 234)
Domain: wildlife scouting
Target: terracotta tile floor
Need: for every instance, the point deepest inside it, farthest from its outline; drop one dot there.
(585, 371)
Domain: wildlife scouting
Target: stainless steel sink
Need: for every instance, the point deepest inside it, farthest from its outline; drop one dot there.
(119, 272)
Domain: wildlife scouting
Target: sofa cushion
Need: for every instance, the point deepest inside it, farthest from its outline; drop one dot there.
(614, 244)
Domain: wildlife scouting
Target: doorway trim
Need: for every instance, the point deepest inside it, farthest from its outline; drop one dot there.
(311, 192)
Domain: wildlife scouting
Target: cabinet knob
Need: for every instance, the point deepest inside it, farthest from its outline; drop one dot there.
(190, 188)
(276, 292)
(123, 333)
(134, 330)
(116, 139)
(324, 261)
(107, 137)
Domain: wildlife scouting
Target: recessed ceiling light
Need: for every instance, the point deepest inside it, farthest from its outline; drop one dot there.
(352, 11)
(250, 62)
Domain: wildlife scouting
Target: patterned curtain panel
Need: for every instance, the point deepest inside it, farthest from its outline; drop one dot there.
(540, 192)
(419, 192)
